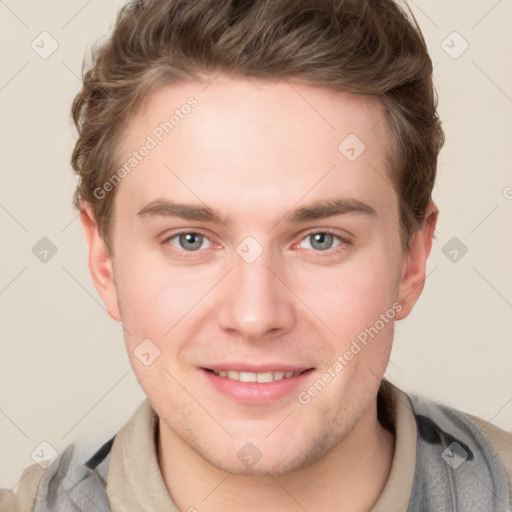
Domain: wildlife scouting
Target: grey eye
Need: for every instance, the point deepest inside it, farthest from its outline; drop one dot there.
(189, 241)
(320, 241)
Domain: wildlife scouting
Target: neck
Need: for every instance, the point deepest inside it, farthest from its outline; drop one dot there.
(350, 477)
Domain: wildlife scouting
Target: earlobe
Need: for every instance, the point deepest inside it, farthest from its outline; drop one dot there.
(415, 261)
(100, 263)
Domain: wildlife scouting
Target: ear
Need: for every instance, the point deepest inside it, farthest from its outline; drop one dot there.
(100, 263)
(414, 263)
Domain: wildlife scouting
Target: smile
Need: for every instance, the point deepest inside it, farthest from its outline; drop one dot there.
(261, 384)
(263, 377)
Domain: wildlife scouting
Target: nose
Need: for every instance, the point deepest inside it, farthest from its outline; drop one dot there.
(257, 303)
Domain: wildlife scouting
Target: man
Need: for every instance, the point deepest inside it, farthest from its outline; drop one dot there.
(255, 191)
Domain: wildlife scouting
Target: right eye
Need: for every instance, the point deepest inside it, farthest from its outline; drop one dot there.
(188, 241)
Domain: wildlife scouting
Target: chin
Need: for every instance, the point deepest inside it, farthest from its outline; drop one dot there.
(262, 458)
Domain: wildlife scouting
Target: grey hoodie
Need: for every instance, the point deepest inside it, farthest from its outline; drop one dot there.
(457, 470)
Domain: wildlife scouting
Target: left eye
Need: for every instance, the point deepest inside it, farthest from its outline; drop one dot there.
(321, 241)
(189, 241)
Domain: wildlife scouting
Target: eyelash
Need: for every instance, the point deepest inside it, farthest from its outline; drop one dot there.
(326, 253)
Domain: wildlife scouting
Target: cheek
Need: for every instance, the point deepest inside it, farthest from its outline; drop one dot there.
(155, 296)
(352, 296)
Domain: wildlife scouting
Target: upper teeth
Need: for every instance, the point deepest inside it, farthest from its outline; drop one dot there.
(255, 377)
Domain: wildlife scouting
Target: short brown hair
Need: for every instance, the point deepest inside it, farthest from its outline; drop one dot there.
(367, 47)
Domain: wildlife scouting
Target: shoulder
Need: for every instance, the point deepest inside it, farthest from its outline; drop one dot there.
(24, 499)
(429, 413)
(501, 441)
(458, 458)
(72, 481)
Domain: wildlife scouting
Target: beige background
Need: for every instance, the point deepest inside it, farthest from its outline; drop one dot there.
(64, 374)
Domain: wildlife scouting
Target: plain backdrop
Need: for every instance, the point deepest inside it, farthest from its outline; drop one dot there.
(64, 373)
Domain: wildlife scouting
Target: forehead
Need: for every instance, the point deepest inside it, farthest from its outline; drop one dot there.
(257, 142)
(259, 108)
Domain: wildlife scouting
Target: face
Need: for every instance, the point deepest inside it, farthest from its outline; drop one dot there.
(256, 267)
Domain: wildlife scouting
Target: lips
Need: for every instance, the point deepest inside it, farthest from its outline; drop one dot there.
(256, 385)
(261, 377)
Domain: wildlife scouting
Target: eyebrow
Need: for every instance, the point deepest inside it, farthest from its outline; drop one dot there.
(315, 211)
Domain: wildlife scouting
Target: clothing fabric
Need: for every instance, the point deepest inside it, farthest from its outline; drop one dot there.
(443, 461)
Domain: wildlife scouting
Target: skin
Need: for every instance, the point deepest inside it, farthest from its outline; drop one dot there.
(254, 151)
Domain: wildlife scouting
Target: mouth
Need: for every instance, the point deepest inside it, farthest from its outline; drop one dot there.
(261, 377)
(264, 386)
